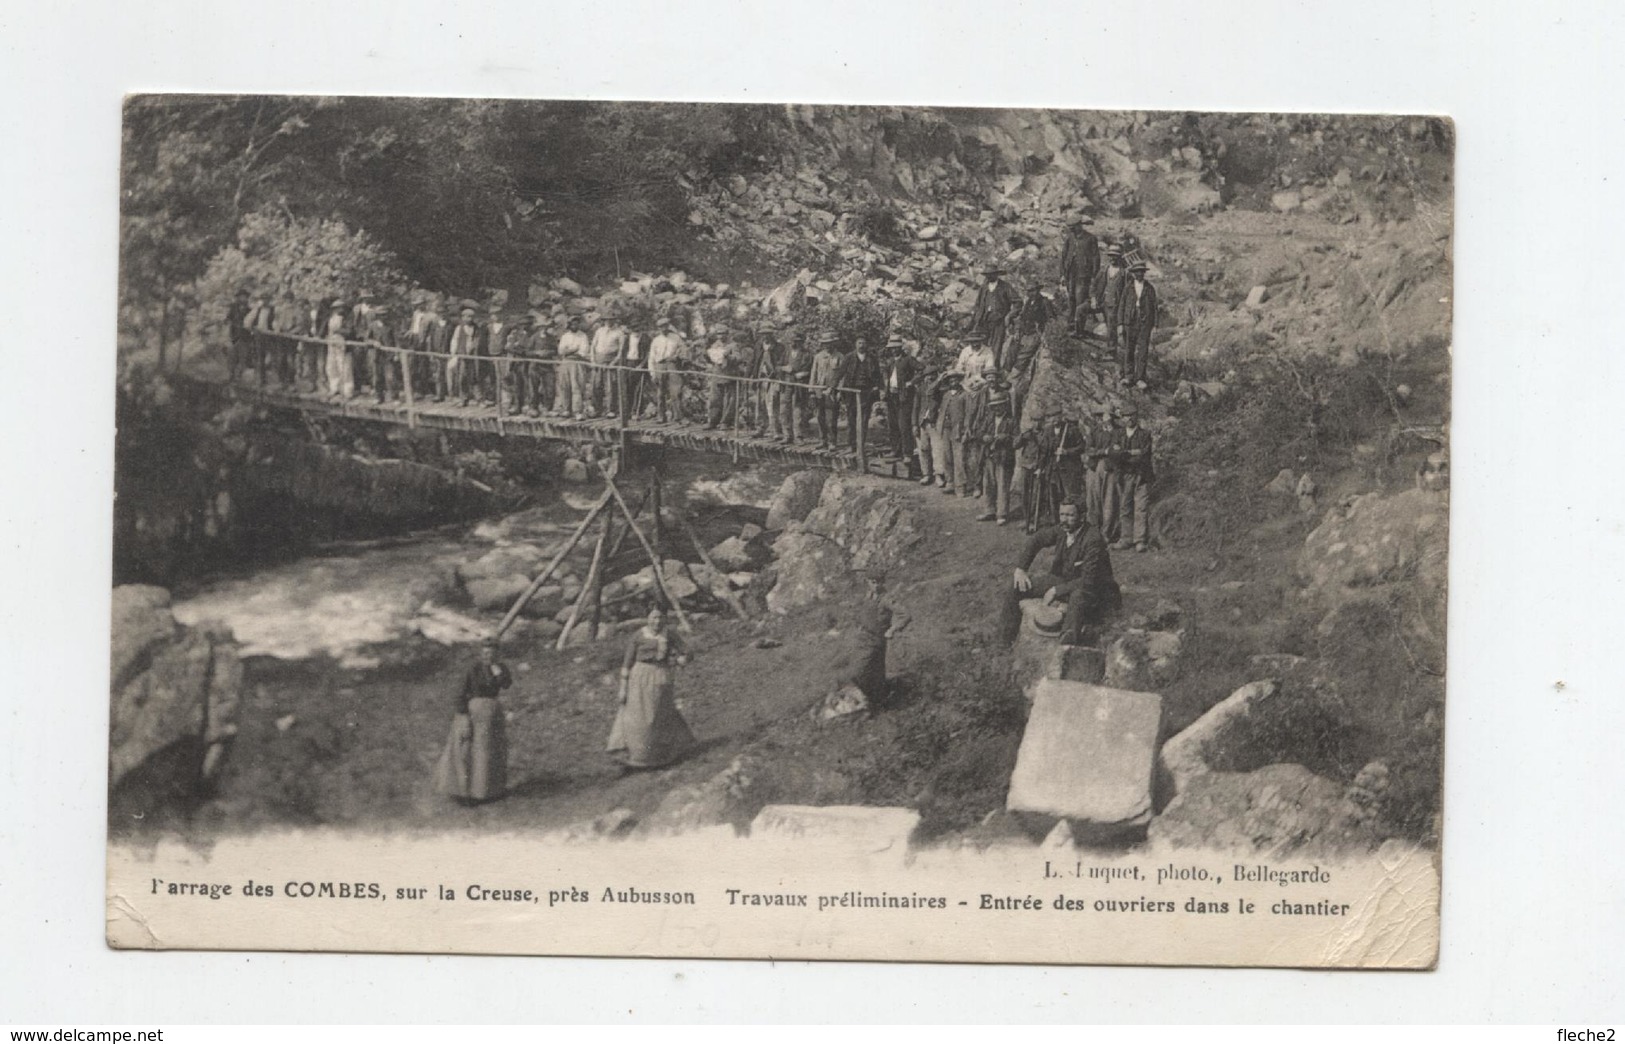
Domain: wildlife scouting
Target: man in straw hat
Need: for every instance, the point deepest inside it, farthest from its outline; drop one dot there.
(1080, 260)
(826, 365)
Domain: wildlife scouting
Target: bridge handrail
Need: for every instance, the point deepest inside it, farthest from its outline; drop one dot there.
(556, 360)
(758, 383)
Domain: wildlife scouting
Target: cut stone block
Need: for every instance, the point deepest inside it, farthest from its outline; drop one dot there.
(873, 829)
(1089, 754)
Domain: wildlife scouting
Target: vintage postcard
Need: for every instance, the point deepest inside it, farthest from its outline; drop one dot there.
(780, 531)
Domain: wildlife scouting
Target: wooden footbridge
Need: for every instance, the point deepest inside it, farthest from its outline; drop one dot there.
(293, 372)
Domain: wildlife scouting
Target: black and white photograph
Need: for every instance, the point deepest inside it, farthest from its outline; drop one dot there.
(828, 531)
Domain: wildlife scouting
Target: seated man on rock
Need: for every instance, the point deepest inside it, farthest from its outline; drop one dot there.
(1080, 575)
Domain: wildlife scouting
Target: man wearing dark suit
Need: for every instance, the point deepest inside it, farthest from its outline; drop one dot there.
(385, 367)
(901, 375)
(859, 371)
(1108, 292)
(996, 301)
(1131, 457)
(237, 334)
(1138, 306)
(1080, 260)
(1081, 573)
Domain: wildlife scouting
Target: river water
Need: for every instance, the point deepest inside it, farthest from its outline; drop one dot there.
(350, 605)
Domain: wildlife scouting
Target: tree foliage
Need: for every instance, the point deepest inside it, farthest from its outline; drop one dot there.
(464, 194)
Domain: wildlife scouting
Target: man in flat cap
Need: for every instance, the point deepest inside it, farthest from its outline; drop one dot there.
(1080, 260)
(996, 302)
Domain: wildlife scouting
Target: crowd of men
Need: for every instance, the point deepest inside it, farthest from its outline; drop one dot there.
(952, 404)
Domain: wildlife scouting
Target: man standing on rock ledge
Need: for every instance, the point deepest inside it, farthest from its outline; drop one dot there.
(1081, 574)
(1139, 317)
(996, 301)
(1080, 260)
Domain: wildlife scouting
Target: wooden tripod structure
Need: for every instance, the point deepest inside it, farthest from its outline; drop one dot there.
(591, 596)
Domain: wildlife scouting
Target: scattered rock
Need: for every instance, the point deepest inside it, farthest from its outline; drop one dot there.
(1283, 484)
(1286, 202)
(1143, 659)
(845, 702)
(750, 531)
(766, 643)
(1306, 490)
(732, 555)
(576, 470)
(1257, 295)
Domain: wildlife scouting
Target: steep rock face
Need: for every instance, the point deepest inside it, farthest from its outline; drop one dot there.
(1377, 540)
(1390, 550)
(1276, 811)
(169, 683)
(858, 525)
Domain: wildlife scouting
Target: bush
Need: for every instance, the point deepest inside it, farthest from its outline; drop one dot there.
(277, 254)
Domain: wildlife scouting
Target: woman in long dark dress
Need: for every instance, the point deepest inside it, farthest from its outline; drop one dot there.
(649, 731)
(474, 765)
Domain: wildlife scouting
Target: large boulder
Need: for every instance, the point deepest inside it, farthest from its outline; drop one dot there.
(171, 686)
(497, 592)
(1273, 812)
(811, 568)
(864, 516)
(1088, 754)
(796, 497)
(858, 524)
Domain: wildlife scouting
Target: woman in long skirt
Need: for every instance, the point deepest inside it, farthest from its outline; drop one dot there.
(649, 731)
(474, 765)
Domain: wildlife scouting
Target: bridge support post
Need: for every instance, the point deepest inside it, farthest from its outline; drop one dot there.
(407, 359)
